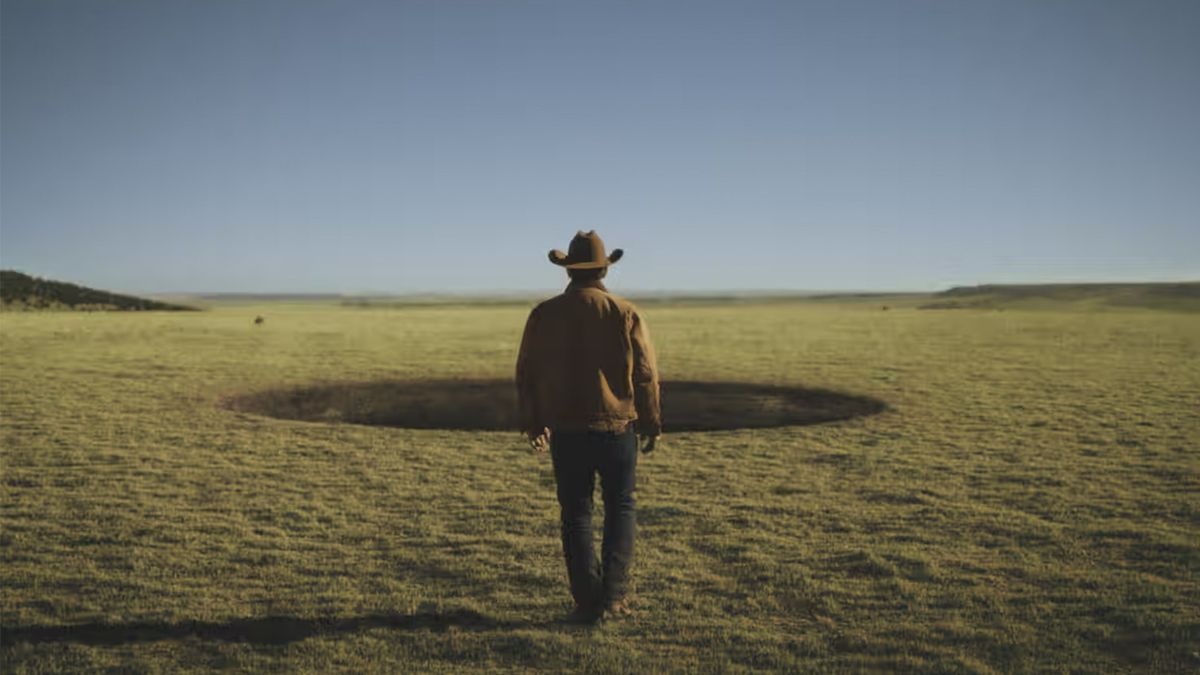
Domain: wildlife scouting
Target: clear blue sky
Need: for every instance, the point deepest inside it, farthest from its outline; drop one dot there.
(221, 145)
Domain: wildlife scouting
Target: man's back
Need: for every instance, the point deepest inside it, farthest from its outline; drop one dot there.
(586, 362)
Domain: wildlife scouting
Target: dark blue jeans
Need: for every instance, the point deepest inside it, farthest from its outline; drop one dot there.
(578, 456)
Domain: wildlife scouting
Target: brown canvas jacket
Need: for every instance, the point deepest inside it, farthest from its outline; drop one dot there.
(586, 362)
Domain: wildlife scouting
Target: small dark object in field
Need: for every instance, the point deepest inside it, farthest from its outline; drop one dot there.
(491, 405)
(258, 321)
(885, 308)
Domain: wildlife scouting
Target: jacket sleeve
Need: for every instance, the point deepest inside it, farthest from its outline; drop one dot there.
(645, 379)
(527, 407)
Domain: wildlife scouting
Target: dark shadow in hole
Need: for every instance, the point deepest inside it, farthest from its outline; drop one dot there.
(270, 630)
(491, 405)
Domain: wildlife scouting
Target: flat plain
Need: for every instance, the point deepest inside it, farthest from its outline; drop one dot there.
(1027, 501)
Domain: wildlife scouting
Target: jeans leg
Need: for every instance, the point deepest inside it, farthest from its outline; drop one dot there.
(574, 473)
(618, 480)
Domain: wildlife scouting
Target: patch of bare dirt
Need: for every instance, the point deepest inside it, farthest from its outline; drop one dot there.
(491, 405)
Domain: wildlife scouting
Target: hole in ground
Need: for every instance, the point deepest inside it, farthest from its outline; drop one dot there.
(491, 405)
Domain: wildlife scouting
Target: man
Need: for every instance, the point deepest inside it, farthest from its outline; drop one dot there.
(586, 382)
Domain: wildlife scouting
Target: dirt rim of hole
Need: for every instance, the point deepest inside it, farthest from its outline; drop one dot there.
(491, 404)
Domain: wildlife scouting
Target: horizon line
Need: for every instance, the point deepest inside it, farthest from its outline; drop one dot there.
(518, 292)
(644, 292)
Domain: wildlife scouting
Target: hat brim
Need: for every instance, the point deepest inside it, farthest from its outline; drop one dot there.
(562, 260)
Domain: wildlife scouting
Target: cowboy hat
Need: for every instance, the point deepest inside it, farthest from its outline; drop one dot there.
(585, 252)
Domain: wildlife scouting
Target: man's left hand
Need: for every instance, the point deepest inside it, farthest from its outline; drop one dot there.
(539, 440)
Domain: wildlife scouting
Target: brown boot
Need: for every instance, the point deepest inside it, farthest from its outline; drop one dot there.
(618, 608)
(583, 616)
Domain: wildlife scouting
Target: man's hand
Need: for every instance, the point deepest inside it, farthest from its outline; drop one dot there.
(649, 443)
(539, 440)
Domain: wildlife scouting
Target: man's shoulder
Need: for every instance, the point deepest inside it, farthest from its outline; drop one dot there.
(549, 307)
(624, 303)
(590, 295)
(548, 303)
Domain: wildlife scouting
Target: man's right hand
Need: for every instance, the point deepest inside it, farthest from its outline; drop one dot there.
(649, 443)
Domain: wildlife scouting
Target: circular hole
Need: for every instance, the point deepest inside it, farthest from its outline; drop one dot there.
(491, 405)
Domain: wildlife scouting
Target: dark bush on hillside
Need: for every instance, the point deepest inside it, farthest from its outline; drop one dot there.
(21, 291)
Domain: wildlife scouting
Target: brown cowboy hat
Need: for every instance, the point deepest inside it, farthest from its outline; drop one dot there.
(585, 252)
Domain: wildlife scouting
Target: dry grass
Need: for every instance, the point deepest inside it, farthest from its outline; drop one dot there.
(1028, 502)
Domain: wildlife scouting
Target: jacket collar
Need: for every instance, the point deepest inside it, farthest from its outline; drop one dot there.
(580, 285)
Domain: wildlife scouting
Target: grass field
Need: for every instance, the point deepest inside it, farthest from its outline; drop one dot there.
(1029, 501)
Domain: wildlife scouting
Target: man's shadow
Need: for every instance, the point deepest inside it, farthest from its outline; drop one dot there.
(270, 630)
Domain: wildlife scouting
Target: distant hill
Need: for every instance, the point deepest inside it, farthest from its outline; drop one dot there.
(21, 291)
(1182, 296)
